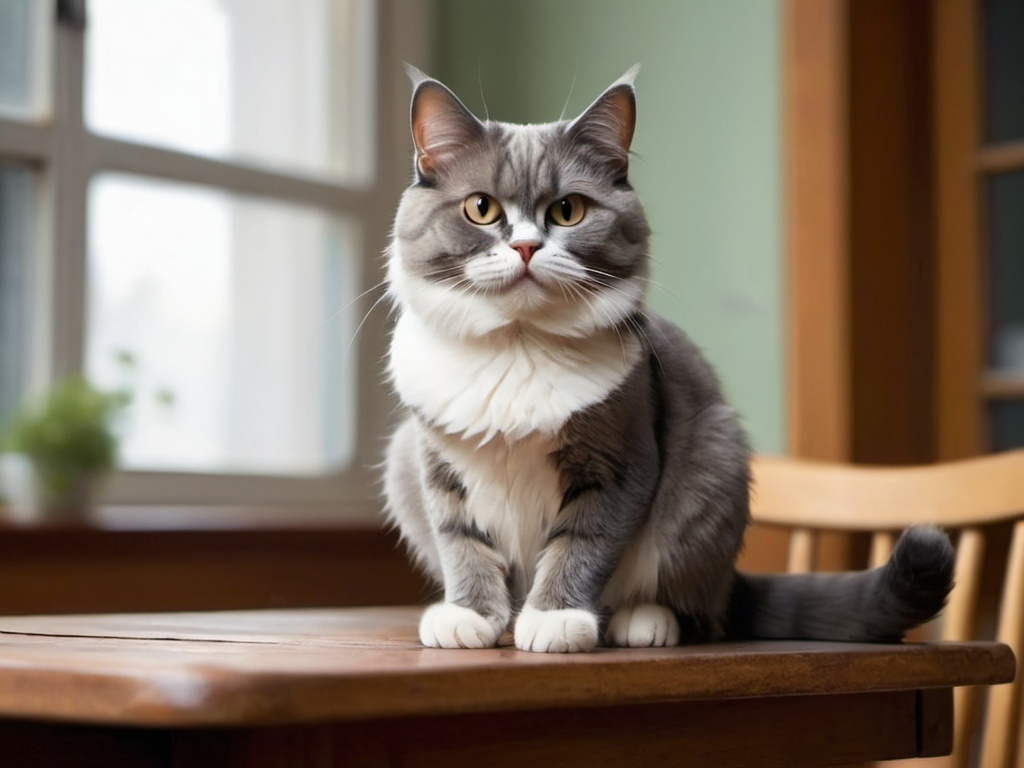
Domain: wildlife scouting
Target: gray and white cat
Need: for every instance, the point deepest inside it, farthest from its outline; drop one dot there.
(568, 465)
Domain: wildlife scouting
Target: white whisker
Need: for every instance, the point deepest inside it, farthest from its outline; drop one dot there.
(572, 86)
(347, 307)
(362, 322)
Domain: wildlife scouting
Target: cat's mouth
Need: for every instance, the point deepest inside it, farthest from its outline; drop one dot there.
(526, 277)
(528, 285)
(508, 279)
(525, 280)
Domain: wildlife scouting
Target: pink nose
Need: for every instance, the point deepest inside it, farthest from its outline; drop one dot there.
(526, 249)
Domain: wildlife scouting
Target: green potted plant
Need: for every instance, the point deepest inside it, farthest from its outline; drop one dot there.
(68, 439)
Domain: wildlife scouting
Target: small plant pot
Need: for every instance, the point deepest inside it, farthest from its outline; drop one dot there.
(73, 506)
(30, 502)
(18, 488)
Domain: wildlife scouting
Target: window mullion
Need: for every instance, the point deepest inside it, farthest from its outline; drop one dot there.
(25, 141)
(110, 154)
(67, 181)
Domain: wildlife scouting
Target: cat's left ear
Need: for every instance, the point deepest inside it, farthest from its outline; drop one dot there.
(442, 127)
(607, 125)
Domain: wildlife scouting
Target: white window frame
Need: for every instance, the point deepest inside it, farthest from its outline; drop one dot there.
(66, 156)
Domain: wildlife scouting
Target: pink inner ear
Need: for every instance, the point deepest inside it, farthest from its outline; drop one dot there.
(621, 103)
(607, 125)
(425, 126)
(441, 126)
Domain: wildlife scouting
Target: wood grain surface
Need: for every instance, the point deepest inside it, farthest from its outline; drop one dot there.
(249, 668)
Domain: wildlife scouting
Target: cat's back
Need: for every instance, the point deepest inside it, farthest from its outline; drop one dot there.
(679, 366)
(698, 432)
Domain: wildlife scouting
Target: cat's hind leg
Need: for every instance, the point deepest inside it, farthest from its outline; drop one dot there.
(405, 506)
(638, 619)
(647, 625)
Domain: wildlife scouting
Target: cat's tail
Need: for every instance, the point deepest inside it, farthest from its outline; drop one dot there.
(877, 605)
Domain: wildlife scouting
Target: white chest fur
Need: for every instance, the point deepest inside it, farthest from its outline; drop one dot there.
(509, 383)
(513, 492)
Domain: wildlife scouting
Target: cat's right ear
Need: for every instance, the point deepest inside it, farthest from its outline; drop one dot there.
(607, 125)
(442, 127)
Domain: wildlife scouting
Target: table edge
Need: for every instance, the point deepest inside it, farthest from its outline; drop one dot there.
(196, 696)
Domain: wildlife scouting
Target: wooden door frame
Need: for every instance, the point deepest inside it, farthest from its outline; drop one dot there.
(816, 226)
(959, 317)
(859, 209)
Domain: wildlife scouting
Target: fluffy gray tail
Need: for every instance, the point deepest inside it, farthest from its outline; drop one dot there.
(879, 605)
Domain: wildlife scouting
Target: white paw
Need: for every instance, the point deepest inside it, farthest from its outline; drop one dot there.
(643, 626)
(447, 625)
(564, 631)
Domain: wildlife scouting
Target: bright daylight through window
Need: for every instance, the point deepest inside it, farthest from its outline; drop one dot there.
(190, 198)
(233, 308)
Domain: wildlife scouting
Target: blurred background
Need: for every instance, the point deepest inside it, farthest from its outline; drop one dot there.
(195, 196)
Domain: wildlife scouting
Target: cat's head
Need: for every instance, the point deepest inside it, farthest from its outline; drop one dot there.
(520, 225)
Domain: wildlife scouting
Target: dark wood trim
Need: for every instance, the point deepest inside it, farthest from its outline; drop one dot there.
(82, 570)
(956, 116)
(1001, 158)
(1002, 386)
(891, 234)
(815, 120)
(860, 237)
(626, 736)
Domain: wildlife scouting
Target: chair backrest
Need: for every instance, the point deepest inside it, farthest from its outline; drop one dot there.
(970, 499)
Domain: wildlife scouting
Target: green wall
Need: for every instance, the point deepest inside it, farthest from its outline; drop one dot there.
(706, 149)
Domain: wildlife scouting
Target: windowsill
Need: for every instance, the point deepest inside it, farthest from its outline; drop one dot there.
(195, 559)
(213, 518)
(1003, 385)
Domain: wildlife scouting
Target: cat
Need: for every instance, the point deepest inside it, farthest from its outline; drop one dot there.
(568, 466)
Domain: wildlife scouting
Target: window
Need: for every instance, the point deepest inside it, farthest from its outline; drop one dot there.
(1003, 383)
(25, 44)
(193, 198)
(236, 314)
(17, 211)
(282, 85)
(980, 140)
(24, 61)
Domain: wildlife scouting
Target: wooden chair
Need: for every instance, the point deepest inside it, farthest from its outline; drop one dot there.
(976, 500)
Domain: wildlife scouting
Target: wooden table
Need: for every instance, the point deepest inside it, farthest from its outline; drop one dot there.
(353, 687)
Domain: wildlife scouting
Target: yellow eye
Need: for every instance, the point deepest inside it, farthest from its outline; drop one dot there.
(568, 212)
(481, 209)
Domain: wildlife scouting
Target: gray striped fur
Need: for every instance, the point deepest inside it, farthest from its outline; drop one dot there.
(649, 487)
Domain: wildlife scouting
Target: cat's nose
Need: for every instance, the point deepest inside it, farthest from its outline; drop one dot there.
(526, 248)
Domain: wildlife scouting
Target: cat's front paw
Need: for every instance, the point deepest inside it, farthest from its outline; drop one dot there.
(643, 626)
(568, 630)
(447, 625)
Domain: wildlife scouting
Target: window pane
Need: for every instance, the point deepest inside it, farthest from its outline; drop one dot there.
(286, 84)
(228, 318)
(1004, 69)
(1007, 418)
(24, 53)
(1006, 271)
(17, 197)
